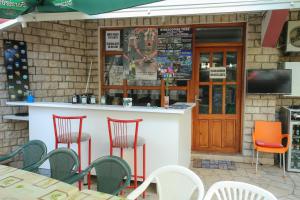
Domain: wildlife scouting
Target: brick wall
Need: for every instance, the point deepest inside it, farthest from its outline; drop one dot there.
(57, 69)
(59, 55)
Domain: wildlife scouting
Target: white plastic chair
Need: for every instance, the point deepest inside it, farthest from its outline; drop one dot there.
(173, 183)
(231, 190)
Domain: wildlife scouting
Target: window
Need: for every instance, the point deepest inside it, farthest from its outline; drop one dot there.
(116, 84)
(221, 34)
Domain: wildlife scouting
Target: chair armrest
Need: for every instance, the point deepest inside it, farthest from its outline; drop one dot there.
(10, 155)
(78, 177)
(139, 190)
(35, 167)
(74, 178)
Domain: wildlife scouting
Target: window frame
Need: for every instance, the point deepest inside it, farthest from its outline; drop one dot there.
(125, 87)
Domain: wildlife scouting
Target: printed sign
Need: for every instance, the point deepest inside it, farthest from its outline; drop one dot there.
(217, 72)
(175, 51)
(113, 40)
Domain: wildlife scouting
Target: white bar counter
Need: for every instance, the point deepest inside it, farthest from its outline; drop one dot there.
(167, 132)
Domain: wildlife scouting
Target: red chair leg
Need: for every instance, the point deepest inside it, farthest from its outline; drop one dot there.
(111, 150)
(144, 167)
(79, 169)
(121, 152)
(89, 162)
(135, 167)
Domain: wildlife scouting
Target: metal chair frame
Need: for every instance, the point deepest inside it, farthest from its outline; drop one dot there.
(63, 135)
(120, 131)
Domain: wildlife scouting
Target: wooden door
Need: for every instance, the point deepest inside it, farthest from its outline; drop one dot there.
(217, 116)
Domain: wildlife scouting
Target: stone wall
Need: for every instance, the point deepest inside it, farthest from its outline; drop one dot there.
(57, 64)
(59, 56)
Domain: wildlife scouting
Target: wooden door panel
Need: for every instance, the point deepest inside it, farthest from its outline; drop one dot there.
(229, 134)
(217, 131)
(215, 127)
(201, 133)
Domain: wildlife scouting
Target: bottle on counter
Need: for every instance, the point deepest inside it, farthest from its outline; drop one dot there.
(83, 99)
(30, 97)
(92, 99)
(75, 98)
(103, 100)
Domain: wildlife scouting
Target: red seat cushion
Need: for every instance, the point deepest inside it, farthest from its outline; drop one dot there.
(268, 144)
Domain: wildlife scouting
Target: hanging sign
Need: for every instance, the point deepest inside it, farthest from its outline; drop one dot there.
(113, 40)
(217, 72)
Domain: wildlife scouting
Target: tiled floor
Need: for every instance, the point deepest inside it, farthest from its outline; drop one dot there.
(268, 177)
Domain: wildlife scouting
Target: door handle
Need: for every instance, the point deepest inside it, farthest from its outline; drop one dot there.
(197, 99)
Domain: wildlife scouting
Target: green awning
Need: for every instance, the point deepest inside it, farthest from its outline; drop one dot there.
(10, 9)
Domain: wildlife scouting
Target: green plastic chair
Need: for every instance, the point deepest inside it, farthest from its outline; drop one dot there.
(32, 153)
(64, 164)
(111, 171)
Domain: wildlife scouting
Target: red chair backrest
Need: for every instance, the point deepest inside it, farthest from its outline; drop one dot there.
(120, 130)
(66, 127)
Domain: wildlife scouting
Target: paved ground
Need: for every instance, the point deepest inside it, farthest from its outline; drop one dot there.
(268, 177)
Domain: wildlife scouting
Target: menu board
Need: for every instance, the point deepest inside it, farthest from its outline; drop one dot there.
(15, 60)
(174, 48)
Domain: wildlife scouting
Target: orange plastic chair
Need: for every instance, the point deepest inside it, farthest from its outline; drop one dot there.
(267, 137)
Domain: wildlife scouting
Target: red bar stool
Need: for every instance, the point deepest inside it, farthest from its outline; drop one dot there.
(124, 134)
(65, 134)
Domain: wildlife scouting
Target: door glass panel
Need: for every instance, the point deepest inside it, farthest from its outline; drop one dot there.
(203, 99)
(217, 99)
(217, 62)
(231, 64)
(217, 59)
(230, 99)
(204, 67)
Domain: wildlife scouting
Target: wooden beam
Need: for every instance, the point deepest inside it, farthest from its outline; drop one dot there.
(271, 27)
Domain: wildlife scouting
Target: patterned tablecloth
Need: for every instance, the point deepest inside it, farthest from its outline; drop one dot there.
(16, 184)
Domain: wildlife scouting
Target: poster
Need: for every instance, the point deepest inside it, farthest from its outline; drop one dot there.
(15, 61)
(113, 40)
(114, 70)
(175, 50)
(140, 51)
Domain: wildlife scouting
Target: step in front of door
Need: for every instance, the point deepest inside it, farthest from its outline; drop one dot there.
(266, 159)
